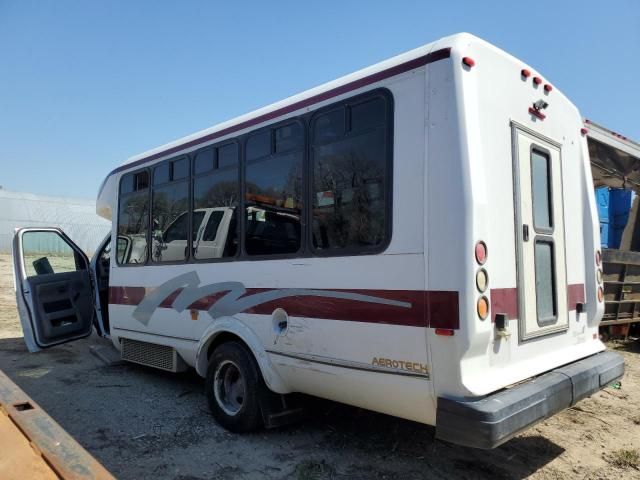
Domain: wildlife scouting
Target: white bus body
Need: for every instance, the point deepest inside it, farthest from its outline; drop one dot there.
(362, 277)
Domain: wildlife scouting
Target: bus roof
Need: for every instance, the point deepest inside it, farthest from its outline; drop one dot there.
(399, 64)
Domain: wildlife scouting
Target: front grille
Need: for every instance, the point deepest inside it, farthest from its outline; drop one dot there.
(151, 354)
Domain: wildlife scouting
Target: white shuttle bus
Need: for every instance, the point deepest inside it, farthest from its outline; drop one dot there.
(418, 238)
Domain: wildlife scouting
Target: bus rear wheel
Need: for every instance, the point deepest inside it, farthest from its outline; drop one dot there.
(234, 386)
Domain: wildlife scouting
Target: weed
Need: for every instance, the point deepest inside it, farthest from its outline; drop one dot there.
(311, 470)
(625, 459)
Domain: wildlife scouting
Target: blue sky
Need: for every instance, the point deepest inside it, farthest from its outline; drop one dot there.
(86, 84)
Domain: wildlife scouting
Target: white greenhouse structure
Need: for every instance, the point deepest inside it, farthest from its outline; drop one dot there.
(77, 217)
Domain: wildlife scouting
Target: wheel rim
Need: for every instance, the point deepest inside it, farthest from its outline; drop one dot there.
(229, 387)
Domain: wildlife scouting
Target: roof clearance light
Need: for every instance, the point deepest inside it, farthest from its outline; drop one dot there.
(481, 252)
(483, 307)
(537, 80)
(547, 87)
(584, 131)
(600, 294)
(525, 73)
(468, 61)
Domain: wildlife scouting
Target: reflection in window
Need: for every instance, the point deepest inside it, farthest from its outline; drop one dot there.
(258, 145)
(133, 218)
(350, 179)
(169, 218)
(273, 196)
(47, 252)
(215, 202)
(545, 282)
(541, 184)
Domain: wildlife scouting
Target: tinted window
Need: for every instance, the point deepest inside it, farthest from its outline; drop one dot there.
(258, 145)
(215, 193)
(288, 137)
(197, 223)
(141, 180)
(161, 174)
(170, 222)
(178, 229)
(203, 161)
(545, 281)
(368, 114)
(541, 185)
(329, 126)
(122, 245)
(180, 169)
(351, 185)
(228, 155)
(211, 230)
(127, 184)
(273, 200)
(133, 218)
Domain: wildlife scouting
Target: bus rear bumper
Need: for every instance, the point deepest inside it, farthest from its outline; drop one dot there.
(487, 422)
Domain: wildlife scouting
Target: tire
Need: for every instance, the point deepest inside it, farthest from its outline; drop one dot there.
(234, 388)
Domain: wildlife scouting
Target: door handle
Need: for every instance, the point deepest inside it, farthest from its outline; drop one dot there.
(525, 233)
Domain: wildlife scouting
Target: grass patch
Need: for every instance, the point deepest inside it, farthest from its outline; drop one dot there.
(311, 470)
(625, 459)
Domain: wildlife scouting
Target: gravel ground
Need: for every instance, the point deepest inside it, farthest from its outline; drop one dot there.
(144, 423)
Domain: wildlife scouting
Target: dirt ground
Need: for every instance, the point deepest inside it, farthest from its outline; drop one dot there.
(143, 423)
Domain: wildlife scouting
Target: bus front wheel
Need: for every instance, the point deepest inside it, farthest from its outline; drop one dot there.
(234, 386)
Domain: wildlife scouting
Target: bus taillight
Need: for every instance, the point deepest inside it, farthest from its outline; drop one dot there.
(481, 252)
(483, 307)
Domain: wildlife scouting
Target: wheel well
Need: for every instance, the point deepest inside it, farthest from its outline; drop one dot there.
(224, 337)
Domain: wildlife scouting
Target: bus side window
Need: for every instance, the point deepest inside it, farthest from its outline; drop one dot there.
(273, 190)
(169, 211)
(350, 180)
(133, 218)
(216, 190)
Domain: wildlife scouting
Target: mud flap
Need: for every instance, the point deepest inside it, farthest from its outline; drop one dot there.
(280, 410)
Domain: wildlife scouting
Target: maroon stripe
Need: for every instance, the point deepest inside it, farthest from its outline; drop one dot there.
(575, 295)
(362, 82)
(504, 300)
(351, 310)
(126, 295)
(442, 309)
(438, 309)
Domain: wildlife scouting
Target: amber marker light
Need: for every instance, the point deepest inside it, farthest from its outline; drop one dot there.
(483, 307)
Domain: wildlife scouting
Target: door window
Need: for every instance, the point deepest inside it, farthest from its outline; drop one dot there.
(541, 186)
(46, 252)
(545, 281)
